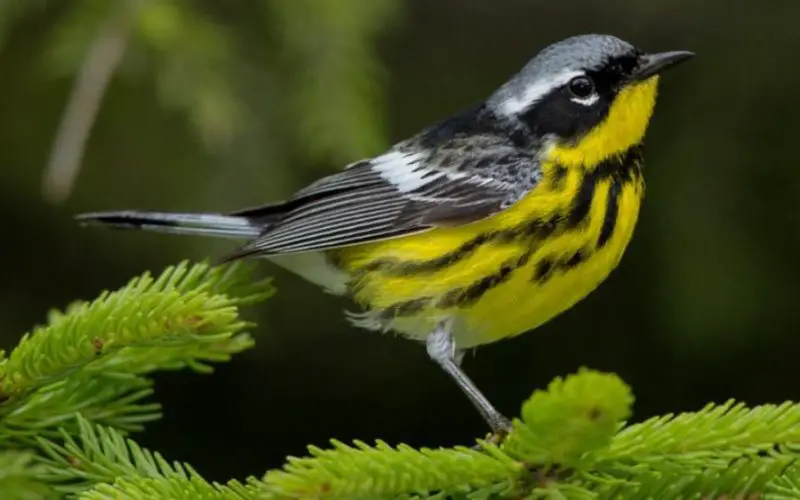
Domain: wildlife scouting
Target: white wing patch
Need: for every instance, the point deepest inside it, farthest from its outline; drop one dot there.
(408, 173)
(535, 92)
(404, 170)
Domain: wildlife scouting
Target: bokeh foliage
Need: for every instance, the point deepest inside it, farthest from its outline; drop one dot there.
(323, 65)
(702, 308)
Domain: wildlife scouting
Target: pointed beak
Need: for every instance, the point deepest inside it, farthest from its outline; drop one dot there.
(653, 64)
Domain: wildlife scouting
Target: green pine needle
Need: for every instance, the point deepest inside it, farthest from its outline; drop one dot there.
(573, 417)
(92, 358)
(20, 477)
(102, 463)
(786, 486)
(183, 306)
(570, 443)
(717, 432)
(76, 387)
(383, 471)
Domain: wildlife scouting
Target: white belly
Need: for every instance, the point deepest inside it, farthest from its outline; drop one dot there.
(314, 268)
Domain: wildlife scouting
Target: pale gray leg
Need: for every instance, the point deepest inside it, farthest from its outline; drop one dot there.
(442, 349)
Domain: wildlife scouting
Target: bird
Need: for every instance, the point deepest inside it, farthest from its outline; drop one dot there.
(482, 226)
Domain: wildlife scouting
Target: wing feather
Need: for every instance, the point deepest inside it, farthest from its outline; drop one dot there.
(398, 193)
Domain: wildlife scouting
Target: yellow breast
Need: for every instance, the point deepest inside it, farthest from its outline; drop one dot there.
(562, 270)
(506, 274)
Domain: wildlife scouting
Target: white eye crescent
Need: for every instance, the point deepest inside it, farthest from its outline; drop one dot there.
(583, 90)
(586, 101)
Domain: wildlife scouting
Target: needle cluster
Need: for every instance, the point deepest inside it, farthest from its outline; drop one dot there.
(74, 389)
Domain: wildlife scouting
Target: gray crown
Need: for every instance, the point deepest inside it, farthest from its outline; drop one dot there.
(572, 54)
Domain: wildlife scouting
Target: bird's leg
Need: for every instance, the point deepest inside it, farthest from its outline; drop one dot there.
(442, 349)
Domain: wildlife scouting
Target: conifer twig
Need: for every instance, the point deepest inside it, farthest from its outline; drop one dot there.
(93, 358)
(75, 387)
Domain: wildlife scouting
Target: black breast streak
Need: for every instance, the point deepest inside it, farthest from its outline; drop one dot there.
(629, 170)
(612, 212)
(573, 260)
(468, 295)
(543, 270)
(621, 171)
(558, 177)
(625, 168)
(399, 268)
(549, 266)
(405, 308)
(582, 203)
(536, 229)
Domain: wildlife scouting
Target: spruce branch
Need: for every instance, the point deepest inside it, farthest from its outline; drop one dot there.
(93, 358)
(102, 463)
(571, 442)
(787, 485)
(722, 432)
(76, 387)
(571, 421)
(20, 477)
(383, 471)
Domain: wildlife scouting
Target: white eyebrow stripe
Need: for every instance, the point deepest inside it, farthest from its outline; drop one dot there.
(533, 93)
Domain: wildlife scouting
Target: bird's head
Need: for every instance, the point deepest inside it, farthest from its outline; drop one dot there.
(586, 98)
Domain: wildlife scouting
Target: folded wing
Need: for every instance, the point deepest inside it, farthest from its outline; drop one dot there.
(395, 194)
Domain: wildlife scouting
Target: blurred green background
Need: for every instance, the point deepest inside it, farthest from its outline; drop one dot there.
(209, 105)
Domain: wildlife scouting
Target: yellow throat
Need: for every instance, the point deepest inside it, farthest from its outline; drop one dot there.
(624, 127)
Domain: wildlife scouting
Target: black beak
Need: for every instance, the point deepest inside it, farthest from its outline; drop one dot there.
(653, 64)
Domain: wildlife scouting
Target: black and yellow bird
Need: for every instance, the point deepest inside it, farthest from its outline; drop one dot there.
(482, 226)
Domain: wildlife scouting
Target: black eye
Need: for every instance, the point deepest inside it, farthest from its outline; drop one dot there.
(581, 86)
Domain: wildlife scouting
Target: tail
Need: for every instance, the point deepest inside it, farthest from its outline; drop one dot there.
(200, 224)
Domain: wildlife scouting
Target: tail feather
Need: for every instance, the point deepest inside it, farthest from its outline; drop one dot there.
(201, 224)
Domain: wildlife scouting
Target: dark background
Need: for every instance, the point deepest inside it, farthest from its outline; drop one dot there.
(701, 309)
